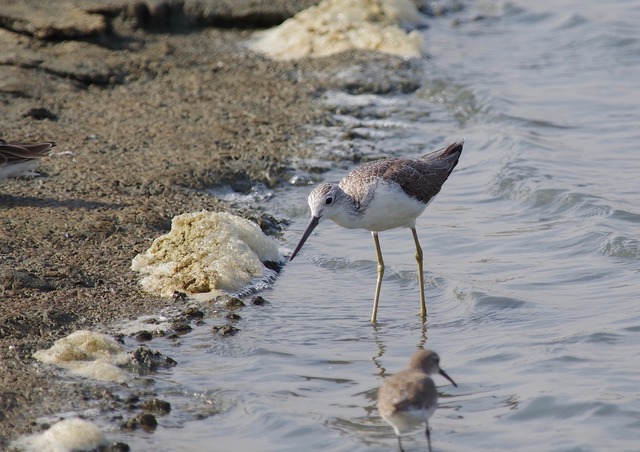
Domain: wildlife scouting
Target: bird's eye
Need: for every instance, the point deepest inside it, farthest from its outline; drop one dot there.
(329, 200)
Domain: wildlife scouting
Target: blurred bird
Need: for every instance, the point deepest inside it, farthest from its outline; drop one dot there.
(19, 158)
(409, 398)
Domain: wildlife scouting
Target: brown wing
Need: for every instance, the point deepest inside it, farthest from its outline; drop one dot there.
(21, 152)
(359, 183)
(421, 178)
(407, 389)
(430, 172)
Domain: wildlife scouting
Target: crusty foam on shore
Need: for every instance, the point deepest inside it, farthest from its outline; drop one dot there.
(89, 354)
(335, 26)
(206, 253)
(72, 434)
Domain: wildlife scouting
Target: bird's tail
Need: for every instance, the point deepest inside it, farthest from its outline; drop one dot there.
(452, 153)
(453, 148)
(446, 157)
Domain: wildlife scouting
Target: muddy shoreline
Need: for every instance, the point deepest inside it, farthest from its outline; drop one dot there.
(148, 104)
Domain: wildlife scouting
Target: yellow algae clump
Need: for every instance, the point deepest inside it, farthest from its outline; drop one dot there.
(72, 434)
(89, 354)
(335, 26)
(205, 253)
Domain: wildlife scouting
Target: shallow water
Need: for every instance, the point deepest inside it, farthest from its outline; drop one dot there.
(532, 259)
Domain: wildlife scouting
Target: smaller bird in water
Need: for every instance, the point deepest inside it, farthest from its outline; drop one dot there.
(19, 158)
(381, 195)
(409, 398)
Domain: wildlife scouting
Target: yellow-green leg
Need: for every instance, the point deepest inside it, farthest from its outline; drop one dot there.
(376, 298)
(419, 257)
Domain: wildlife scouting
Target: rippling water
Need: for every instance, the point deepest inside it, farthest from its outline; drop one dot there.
(532, 259)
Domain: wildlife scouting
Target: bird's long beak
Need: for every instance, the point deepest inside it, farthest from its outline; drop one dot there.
(312, 225)
(444, 374)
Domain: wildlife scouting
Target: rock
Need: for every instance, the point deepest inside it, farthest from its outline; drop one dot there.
(181, 326)
(179, 296)
(193, 313)
(156, 406)
(39, 113)
(258, 301)
(147, 421)
(234, 303)
(117, 447)
(225, 330)
(144, 360)
(143, 335)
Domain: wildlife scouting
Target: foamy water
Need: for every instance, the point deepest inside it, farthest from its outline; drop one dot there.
(335, 26)
(206, 254)
(87, 354)
(71, 434)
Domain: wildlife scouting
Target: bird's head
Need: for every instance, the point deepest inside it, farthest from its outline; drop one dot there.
(323, 202)
(428, 362)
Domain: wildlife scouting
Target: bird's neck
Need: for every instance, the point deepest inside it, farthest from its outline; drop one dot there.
(348, 214)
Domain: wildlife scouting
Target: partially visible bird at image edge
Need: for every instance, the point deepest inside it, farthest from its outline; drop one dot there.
(18, 158)
(384, 194)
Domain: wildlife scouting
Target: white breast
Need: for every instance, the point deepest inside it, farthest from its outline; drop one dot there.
(391, 208)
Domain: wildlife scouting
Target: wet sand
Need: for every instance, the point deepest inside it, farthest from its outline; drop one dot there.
(148, 104)
(144, 118)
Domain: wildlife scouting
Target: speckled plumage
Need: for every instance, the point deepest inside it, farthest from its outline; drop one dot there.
(381, 195)
(17, 158)
(409, 398)
(420, 177)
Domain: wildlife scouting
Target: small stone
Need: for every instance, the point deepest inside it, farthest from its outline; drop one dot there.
(147, 421)
(258, 301)
(144, 360)
(180, 326)
(143, 335)
(269, 224)
(118, 447)
(129, 424)
(225, 330)
(179, 296)
(234, 302)
(39, 113)
(156, 406)
(193, 312)
(273, 265)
